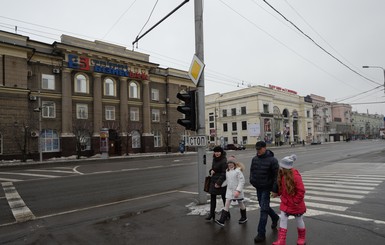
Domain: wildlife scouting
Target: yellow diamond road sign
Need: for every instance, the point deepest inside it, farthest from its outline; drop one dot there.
(196, 69)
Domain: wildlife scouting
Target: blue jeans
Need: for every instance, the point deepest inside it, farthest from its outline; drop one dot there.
(266, 211)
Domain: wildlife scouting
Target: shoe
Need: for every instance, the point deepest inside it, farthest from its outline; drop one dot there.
(243, 218)
(259, 238)
(224, 216)
(274, 223)
(210, 216)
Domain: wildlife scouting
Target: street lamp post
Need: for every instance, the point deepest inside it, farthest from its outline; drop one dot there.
(379, 68)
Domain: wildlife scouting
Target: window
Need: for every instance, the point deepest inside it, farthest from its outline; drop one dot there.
(81, 111)
(135, 136)
(233, 111)
(224, 113)
(307, 114)
(133, 90)
(48, 109)
(157, 139)
(134, 114)
(244, 125)
(211, 125)
(225, 127)
(155, 115)
(155, 94)
(244, 140)
(243, 110)
(81, 84)
(48, 82)
(110, 112)
(211, 117)
(109, 87)
(49, 141)
(234, 124)
(265, 108)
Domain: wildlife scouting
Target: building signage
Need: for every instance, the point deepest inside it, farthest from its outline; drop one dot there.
(100, 66)
(282, 89)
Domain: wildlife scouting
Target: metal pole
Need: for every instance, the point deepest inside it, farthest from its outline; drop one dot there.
(202, 196)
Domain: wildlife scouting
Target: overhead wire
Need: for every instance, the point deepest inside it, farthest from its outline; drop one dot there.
(117, 21)
(319, 46)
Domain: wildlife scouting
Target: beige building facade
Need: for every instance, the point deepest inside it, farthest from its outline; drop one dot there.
(273, 114)
(87, 97)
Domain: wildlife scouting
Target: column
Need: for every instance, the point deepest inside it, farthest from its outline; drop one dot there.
(98, 109)
(147, 137)
(66, 103)
(123, 106)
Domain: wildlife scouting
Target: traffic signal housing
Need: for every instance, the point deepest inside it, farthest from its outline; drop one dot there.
(188, 109)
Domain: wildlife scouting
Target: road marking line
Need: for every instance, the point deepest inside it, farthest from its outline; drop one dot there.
(333, 194)
(344, 179)
(9, 180)
(317, 205)
(75, 169)
(19, 210)
(50, 170)
(340, 186)
(312, 212)
(339, 182)
(336, 190)
(326, 199)
(35, 175)
(105, 205)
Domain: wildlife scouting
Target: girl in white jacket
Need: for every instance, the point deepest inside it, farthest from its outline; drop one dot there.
(235, 183)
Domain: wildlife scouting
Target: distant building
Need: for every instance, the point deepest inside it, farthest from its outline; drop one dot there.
(78, 95)
(366, 126)
(273, 114)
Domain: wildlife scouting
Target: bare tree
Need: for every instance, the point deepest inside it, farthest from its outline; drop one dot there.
(20, 133)
(83, 132)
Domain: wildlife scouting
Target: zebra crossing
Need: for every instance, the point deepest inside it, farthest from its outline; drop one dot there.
(335, 190)
(32, 174)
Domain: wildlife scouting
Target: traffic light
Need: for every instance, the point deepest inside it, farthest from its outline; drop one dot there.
(188, 109)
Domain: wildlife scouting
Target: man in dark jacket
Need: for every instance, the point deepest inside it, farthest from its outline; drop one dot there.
(263, 176)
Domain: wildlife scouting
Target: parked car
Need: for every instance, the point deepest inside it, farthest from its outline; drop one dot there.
(235, 147)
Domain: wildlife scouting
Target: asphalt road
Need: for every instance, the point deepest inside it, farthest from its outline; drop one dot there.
(143, 200)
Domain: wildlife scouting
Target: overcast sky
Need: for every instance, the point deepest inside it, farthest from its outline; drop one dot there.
(246, 42)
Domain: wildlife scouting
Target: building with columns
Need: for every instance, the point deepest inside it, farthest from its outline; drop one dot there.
(87, 97)
(273, 114)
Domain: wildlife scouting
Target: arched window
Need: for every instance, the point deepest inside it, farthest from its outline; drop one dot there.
(81, 83)
(135, 139)
(133, 90)
(109, 87)
(50, 141)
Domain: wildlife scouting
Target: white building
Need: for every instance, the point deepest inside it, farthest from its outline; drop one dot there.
(273, 114)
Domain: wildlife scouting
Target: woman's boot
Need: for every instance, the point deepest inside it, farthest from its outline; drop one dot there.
(281, 237)
(243, 218)
(301, 236)
(223, 218)
(210, 216)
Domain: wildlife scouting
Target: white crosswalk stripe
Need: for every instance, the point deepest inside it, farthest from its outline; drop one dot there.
(333, 193)
(21, 175)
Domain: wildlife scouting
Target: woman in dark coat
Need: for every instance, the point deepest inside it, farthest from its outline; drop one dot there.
(218, 176)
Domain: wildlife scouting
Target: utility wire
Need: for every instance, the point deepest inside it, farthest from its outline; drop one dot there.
(117, 21)
(148, 18)
(319, 46)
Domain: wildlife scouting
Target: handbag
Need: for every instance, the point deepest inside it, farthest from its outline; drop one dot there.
(207, 184)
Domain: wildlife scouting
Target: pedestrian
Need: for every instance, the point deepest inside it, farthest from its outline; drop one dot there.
(292, 193)
(218, 176)
(263, 176)
(235, 183)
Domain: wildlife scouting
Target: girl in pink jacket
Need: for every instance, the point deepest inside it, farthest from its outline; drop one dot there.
(292, 193)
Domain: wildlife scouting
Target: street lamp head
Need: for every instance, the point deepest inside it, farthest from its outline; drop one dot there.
(365, 66)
